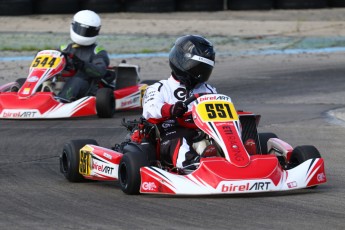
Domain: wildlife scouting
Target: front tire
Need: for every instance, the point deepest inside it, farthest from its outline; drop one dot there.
(105, 103)
(69, 159)
(129, 171)
(301, 154)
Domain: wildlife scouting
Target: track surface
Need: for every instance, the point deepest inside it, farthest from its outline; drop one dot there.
(293, 95)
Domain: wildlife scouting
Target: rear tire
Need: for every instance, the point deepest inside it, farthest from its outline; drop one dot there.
(150, 6)
(56, 7)
(298, 4)
(69, 159)
(20, 82)
(263, 139)
(105, 103)
(250, 4)
(129, 171)
(15, 7)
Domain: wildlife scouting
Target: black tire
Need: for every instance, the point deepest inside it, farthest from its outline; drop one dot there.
(56, 6)
(20, 82)
(250, 4)
(148, 82)
(102, 6)
(16, 7)
(303, 153)
(129, 171)
(199, 5)
(69, 159)
(105, 103)
(263, 138)
(336, 3)
(150, 5)
(298, 4)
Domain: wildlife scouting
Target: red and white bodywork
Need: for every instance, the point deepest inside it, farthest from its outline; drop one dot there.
(237, 172)
(31, 102)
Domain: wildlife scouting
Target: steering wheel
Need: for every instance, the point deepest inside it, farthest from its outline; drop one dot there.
(193, 98)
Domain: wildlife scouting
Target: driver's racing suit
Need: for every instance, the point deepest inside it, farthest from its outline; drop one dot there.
(176, 140)
(95, 61)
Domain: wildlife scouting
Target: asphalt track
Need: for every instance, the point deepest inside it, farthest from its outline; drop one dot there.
(293, 93)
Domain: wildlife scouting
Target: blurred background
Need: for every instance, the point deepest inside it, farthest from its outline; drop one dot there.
(26, 7)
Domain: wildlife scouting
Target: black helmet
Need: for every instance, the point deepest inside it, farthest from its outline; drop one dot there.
(191, 60)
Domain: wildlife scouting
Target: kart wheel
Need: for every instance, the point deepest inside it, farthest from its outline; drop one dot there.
(20, 82)
(263, 139)
(129, 172)
(69, 159)
(301, 154)
(105, 103)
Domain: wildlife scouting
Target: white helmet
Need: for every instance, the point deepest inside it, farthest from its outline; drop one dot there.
(85, 27)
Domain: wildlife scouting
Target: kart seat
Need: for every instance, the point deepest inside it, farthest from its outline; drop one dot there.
(126, 76)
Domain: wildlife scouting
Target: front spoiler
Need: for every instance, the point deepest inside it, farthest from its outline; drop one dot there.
(43, 105)
(218, 176)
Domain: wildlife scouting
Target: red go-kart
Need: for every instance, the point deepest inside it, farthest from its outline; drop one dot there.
(234, 157)
(34, 97)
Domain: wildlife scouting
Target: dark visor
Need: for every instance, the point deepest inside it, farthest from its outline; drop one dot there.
(84, 30)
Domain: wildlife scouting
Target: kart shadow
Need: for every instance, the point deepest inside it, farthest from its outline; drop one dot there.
(307, 191)
(298, 192)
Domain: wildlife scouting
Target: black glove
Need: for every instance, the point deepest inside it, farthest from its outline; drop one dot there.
(77, 62)
(178, 109)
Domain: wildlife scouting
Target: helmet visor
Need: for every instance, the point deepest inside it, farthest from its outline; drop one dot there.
(85, 30)
(200, 72)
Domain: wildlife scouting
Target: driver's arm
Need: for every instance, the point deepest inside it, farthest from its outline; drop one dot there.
(153, 104)
(97, 68)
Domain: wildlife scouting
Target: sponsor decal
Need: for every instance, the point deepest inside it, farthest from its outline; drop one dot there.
(237, 151)
(26, 91)
(227, 129)
(32, 79)
(165, 125)
(149, 186)
(208, 98)
(129, 102)
(243, 187)
(224, 98)
(102, 168)
(292, 184)
(19, 114)
(180, 93)
(107, 155)
(321, 177)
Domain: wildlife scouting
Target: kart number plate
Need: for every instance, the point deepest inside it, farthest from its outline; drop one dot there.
(214, 111)
(84, 163)
(45, 61)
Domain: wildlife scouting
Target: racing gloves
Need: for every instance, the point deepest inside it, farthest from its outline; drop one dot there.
(178, 109)
(77, 62)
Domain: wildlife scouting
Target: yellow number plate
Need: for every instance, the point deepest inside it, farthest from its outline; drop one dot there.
(217, 111)
(84, 163)
(45, 61)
